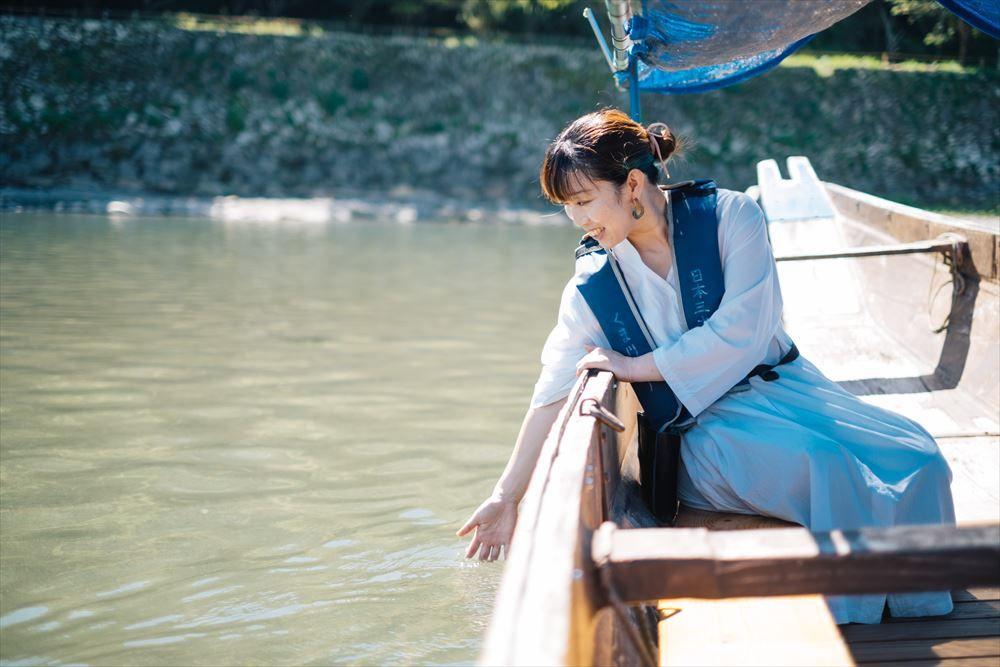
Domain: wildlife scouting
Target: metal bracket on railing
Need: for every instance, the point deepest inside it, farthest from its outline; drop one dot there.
(591, 407)
(954, 257)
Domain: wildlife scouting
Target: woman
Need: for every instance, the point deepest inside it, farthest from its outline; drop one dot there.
(799, 448)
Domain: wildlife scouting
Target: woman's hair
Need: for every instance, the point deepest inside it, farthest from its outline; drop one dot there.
(601, 146)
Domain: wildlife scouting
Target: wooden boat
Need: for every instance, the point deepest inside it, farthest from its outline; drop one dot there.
(592, 579)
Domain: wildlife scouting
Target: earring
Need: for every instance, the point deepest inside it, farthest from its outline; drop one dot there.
(637, 209)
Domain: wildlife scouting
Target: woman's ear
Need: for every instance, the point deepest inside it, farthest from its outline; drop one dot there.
(635, 182)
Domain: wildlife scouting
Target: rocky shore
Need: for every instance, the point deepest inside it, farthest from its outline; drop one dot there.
(149, 108)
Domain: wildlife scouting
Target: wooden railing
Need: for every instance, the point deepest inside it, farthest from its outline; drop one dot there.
(546, 611)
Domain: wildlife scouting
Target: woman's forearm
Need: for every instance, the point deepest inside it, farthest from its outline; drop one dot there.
(642, 369)
(534, 428)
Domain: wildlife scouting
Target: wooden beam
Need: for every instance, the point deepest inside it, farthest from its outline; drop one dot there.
(655, 563)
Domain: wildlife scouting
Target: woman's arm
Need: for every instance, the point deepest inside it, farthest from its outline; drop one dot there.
(494, 520)
(534, 429)
(496, 517)
(706, 361)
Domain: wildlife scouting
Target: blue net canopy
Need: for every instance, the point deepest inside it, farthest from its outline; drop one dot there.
(686, 46)
(982, 14)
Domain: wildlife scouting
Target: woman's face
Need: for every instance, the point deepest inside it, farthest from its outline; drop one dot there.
(598, 209)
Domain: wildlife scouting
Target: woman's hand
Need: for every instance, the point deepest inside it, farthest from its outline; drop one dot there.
(606, 360)
(494, 522)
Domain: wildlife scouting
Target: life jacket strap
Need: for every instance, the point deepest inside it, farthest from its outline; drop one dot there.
(765, 372)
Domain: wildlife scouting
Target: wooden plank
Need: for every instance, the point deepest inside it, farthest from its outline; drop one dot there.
(929, 629)
(690, 517)
(656, 563)
(545, 605)
(792, 630)
(855, 322)
(976, 593)
(970, 609)
(616, 448)
(975, 486)
(926, 649)
(987, 661)
(906, 223)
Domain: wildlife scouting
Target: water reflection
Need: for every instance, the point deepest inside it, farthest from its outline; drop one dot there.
(229, 444)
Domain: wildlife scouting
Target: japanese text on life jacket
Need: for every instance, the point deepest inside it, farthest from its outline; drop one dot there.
(629, 348)
(698, 293)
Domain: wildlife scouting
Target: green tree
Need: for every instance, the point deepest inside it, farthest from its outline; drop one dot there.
(527, 15)
(942, 27)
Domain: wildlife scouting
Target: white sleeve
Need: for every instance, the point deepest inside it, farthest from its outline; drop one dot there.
(564, 347)
(707, 361)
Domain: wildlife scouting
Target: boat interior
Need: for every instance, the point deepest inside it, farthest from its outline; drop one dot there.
(910, 332)
(902, 308)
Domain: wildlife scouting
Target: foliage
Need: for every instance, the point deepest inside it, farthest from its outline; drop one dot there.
(146, 106)
(911, 27)
(939, 26)
(826, 64)
(943, 25)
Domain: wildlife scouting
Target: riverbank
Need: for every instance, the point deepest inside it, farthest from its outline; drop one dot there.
(159, 109)
(401, 205)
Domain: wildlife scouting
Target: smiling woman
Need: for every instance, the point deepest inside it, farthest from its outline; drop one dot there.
(785, 442)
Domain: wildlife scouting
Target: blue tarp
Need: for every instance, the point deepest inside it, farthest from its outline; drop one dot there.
(688, 46)
(982, 14)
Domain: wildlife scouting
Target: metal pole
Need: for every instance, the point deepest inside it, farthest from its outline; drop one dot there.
(589, 15)
(619, 12)
(634, 101)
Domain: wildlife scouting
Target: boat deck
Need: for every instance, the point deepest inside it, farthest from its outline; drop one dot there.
(869, 323)
(799, 630)
(967, 636)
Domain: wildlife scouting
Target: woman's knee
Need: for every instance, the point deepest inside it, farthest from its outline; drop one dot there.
(938, 466)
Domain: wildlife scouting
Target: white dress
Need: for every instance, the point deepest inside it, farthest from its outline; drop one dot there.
(800, 448)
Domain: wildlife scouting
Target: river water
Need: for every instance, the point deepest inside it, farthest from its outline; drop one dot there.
(252, 444)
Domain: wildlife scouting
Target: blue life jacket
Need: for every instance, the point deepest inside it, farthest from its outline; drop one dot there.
(695, 245)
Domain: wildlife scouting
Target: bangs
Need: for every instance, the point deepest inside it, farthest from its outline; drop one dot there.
(561, 177)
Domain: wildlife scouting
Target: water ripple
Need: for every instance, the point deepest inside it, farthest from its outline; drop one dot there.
(242, 445)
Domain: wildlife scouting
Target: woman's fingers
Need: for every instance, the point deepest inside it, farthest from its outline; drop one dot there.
(487, 552)
(590, 361)
(469, 525)
(493, 524)
(600, 359)
(473, 547)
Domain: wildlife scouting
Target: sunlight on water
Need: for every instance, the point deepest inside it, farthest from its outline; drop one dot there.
(234, 444)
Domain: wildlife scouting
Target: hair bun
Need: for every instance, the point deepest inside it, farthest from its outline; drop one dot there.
(605, 145)
(664, 138)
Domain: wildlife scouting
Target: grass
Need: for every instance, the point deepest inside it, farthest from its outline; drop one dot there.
(246, 25)
(825, 64)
